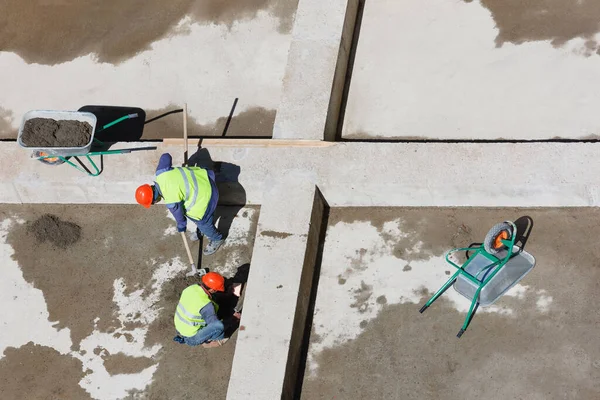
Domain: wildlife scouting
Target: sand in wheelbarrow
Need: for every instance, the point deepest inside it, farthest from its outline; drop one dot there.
(50, 228)
(47, 132)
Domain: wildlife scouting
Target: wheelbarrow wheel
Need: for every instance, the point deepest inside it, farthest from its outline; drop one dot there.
(48, 160)
(493, 240)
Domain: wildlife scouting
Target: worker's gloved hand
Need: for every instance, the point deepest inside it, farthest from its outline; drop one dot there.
(181, 228)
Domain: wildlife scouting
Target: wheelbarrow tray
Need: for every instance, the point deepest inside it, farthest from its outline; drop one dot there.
(60, 115)
(509, 275)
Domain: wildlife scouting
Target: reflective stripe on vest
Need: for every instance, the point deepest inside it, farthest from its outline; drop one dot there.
(190, 185)
(192, 320)
(187, 318)
(189, 204)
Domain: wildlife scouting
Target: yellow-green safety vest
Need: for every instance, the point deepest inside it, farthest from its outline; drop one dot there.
(188, 184)
(187, 318)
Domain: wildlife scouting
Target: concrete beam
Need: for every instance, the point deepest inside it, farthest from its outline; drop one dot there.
(316, 70)
(348, 174)
(278, 294)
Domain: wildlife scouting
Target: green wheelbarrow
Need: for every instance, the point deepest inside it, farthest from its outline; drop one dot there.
(60, 155)
(494, 267)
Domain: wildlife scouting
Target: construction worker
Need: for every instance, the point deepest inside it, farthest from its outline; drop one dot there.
(196, 314)
(189, 192)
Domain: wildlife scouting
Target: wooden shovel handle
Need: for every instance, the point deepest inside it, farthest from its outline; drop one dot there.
(187, 247)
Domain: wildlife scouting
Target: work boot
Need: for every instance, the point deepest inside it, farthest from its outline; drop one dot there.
(179, 339)
(194, 236)
(212, 247)
(214, 343)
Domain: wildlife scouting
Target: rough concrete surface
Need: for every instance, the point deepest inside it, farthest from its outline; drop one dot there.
(62, 56)
(316, 70)
(89, 313)
(466, 70)
(348, 174)
(539, 341)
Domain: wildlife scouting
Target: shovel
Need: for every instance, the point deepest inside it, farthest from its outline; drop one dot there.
(195, 271)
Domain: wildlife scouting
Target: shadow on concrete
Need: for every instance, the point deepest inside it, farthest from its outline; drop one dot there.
(308, 328)
(226, 128)
(241, 275)
(231, 193)
(524, 226)
(473, 245)
(179, 110)
(88, 170)
(130, 130)
(229, 303)
(350, 68)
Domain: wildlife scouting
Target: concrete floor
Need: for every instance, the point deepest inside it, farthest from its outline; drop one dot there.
(204, 52)
(475, 70)
(380, 265)
(94, 319)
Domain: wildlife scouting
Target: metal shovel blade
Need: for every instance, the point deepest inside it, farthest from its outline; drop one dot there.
(193, 272)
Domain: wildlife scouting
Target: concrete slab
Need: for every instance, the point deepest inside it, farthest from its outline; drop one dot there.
(316, 70)
(205, 53)
(380, 265)
(95, 301)
(272, 326)
(474, 70)
(357, 174)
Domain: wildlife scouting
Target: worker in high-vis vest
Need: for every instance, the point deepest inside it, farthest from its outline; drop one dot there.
(196, 318)
(189, 192)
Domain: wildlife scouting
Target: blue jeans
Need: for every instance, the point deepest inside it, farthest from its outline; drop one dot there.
(213, 331)
(206, 226)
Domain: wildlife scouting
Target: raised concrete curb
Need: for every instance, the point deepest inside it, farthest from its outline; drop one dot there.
(316, 70)
(268, 349)
(348, 174)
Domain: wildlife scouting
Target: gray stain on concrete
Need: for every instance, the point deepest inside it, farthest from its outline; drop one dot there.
(558, 21)
(276, 235)
(114, 30)
(362, 296)
(120, 363)
(39, 372)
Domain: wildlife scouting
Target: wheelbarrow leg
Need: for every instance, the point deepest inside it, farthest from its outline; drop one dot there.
(93, 164)
(470, 314)
(440, 292)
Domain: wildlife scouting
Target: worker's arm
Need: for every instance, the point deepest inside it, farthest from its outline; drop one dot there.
(208, 314)
(165, 163)
(178, 211)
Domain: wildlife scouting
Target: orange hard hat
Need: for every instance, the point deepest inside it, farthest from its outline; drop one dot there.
(144, 195)
(214, 281)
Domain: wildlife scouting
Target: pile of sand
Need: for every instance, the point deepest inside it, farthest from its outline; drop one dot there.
(47, 132)
(51, 228)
